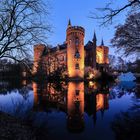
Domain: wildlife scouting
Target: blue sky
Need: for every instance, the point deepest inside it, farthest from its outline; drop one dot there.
(79, 11)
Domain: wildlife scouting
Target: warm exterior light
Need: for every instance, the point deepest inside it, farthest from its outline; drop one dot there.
(91, 76)
(75, 104)
(72, 54)
(102, 55)
(75, 52)
(93, 85)
(100, 101)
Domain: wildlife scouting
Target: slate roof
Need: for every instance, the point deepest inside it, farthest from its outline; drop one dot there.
(88, 46)
(54, 49)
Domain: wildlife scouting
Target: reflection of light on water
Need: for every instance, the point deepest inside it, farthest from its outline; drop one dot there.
(93, 85)
(59, 109)
(35, 91)
(75, 92)
(24, 82)
(75, 105)
(91, 76)
(100, 101)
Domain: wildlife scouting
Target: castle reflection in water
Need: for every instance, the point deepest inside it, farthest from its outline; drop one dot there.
(74, 99)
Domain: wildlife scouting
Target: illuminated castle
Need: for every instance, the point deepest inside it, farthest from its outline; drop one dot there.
(73, 55)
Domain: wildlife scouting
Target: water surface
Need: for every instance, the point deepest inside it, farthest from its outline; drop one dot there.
(71, 111)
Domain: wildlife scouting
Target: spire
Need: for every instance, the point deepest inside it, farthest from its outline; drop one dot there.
(69, 23)
(94, 37)
(102, 42)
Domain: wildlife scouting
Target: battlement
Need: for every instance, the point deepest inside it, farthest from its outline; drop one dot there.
(75, 29)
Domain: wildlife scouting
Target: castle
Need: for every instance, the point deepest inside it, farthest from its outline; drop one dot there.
(73, 55)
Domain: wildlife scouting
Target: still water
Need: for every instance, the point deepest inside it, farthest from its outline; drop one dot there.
(70, 111)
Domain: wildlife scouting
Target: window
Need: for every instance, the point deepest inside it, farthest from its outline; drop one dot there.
(77, 55)
(70, 42)
(77, 92)
(76, 41)
(77, 66)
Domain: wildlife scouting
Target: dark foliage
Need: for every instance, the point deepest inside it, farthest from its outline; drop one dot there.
(127, 124)
(127, 36)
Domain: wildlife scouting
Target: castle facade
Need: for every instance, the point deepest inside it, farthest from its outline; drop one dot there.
(73, 55)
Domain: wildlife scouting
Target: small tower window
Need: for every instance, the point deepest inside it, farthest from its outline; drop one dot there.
(70, 42)
(77, 41)
(77, 92)
(77, 66)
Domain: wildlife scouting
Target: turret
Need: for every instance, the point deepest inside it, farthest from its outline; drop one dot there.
(94, 37)
(94, 51)
(69, 23)
(102, 42)
(38, 51)
(75, 50)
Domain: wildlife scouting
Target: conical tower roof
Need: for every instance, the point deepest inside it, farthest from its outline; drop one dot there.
(94, 37)
(102, 42)
(69, 23)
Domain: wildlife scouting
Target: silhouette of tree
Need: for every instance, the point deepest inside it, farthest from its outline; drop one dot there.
(109, 11)
(22, 24)
(127, 36)
(126, 125)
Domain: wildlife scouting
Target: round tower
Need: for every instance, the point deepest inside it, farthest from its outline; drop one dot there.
(38, 50)
(75, 51)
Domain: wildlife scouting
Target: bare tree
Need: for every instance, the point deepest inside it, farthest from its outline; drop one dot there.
(112, 60)
(127, 36)
(22, 24)
(108, 12)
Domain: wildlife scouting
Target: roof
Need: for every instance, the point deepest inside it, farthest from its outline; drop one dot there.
(54, 49)
(88, 46)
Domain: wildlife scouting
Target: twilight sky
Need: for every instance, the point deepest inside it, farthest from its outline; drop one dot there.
(79, 11)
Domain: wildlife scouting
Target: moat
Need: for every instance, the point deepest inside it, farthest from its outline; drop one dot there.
(73, 110)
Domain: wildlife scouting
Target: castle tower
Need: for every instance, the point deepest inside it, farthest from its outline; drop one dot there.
(102, 57)
(94, 51)
(38, 51)
(105, 51)
(75, 50)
